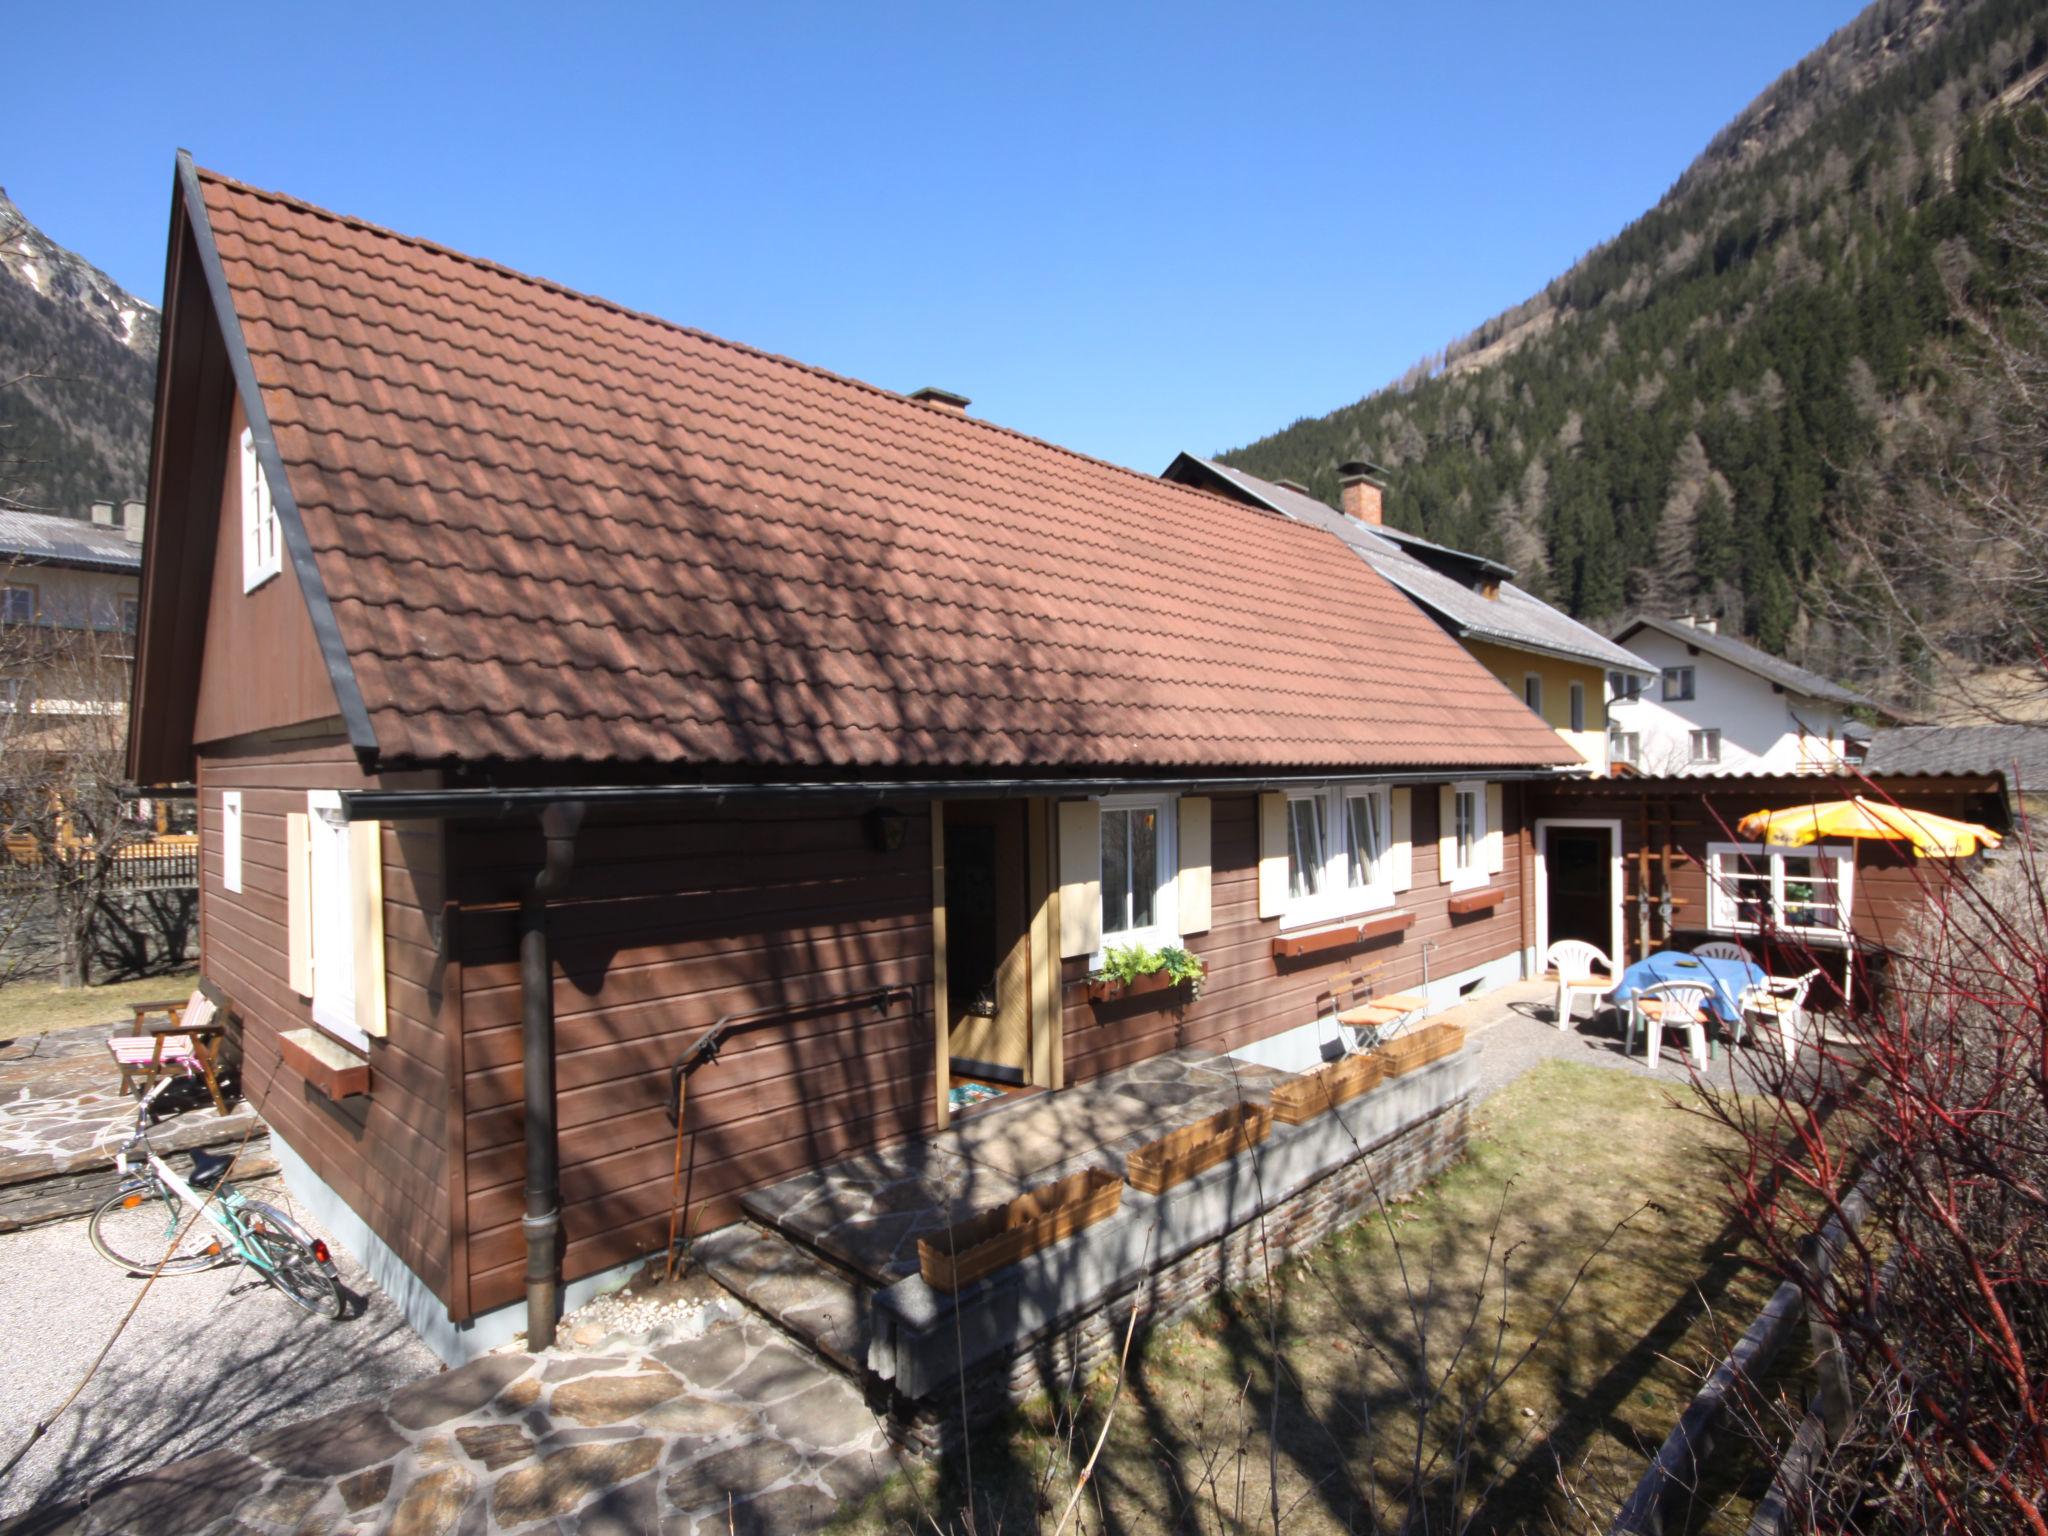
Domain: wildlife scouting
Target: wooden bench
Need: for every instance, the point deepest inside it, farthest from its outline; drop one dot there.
(188, 1040)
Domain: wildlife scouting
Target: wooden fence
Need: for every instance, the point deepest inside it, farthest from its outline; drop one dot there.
(152, 866)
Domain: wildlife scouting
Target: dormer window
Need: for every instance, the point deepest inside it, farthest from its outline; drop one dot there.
(262, 544)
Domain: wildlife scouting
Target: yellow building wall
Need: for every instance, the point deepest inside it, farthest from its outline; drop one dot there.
(1512, 667)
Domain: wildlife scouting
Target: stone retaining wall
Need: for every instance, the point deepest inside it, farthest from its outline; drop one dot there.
(1059, 1359)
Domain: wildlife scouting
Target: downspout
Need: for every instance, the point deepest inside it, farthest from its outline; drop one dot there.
(543, 1219)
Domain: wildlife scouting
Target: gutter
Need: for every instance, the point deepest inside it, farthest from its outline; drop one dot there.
(442, 804)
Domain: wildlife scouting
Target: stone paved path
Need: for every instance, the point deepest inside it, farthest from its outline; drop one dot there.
(738, 1431)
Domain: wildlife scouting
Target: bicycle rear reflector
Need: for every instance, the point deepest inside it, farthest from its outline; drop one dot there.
(320, 1251)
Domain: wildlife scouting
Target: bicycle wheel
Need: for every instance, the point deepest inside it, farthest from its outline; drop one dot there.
(140, 1223)
(292, 1259)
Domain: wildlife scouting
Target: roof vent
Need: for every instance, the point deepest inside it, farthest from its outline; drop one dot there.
(932, 395)
(1362, 484)
(1295, 486)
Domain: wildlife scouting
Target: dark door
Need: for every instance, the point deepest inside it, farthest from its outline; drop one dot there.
(988, 953)
(1578, 871)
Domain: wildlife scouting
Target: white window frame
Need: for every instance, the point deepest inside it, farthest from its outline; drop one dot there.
(262, 539)
(1707, 736)
(1722, 895)
(1532, 693)
(1632, 753)
(1469, 875)
(1575, 698)
(330, 924)
(1164, 929)
(1670, 676)
(231, 839)
(1338, 896)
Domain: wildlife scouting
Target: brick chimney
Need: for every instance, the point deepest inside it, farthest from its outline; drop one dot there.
(1364, 484)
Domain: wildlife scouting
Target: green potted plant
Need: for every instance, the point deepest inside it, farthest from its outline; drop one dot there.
(1131, 970)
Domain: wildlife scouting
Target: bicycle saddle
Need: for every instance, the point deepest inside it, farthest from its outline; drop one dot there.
(207, 1167)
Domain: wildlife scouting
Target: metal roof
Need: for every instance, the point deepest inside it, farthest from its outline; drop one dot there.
(1740, 653)
(1516, 618)
(49, 540)
(2019, 752)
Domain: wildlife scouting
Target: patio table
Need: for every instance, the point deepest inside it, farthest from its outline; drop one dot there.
(1725, 979)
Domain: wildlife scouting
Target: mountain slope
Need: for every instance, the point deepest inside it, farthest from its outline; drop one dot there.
(77, 376)
(1677, 421)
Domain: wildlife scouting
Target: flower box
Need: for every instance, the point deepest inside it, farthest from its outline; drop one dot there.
(1037, 1219)
(1292, 946)
(1107, 989)
(328, 1067)
(1305, 1097)
(1175, 1158)
(1404, 1053)
(1466, 903)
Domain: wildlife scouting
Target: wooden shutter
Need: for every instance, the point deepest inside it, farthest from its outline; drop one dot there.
(1194, 864)
(1496, 831)
(1446, 831)
(298, 897)
(366, 921)
(1080, 878)
(1401, 846)
(1272, 855)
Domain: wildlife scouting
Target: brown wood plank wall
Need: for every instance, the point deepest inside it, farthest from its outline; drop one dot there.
(668, 925)
(384, 1154)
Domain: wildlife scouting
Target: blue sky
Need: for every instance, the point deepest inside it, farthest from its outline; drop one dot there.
(1129, 229)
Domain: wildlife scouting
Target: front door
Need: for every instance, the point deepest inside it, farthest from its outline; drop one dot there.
(1578, 870)
(988, 942)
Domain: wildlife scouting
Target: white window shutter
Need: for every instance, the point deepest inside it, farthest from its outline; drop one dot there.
(366, 921)
(1194, 864)
(231, 839)
(1446, 831)
(1401, 851)
(1496, 832)
(1080, 878)
(298, 896)
(252, 514)
(1272, 855)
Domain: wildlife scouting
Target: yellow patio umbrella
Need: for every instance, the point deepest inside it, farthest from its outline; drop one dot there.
(1930, 836)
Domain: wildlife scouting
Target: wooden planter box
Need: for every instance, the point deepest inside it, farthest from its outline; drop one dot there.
(1305, 1097)
(330, 1067)
(1037, 1219)
(1292, 946)
(1173, 1159)
(1107, 989)
(1464, 903)
(1404, 1053)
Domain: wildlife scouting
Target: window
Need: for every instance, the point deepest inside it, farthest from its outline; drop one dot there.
(1801, 891)
(1339, 847)
(1578, 704)
(17, 605)
(262, 545)
(332, 928)
(1138, 867)
(1624, 687)
(130, 608)
(1624, 746)
(1706, 746)
(10, 694)
(1532, 692)
(231, 839)
(1677, 684)
(1466, 842)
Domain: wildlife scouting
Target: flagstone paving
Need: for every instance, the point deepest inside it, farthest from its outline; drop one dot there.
(739, 1430)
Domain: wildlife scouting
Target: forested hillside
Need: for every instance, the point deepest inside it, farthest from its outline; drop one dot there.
(77, 376)
(1681, 420)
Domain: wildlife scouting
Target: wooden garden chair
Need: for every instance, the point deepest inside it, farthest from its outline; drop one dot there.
(187, 1040)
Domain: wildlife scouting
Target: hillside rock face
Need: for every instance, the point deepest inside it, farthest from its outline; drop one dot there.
(1684, 419)
(77, 376)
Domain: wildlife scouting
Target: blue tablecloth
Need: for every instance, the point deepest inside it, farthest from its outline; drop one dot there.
(1726, 977)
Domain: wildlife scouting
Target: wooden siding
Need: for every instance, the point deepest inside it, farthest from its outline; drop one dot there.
(667, 926)
(1251, 995)
(386, 1154)
(290, 686)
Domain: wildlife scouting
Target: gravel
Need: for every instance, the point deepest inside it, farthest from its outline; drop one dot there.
(649, 1313)
(207, 1361)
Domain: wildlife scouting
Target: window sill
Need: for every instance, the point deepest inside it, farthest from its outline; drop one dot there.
(1345, 935)
(327, 1066)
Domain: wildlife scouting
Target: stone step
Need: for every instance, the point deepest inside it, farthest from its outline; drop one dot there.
(80, 1191)
(802, 1294)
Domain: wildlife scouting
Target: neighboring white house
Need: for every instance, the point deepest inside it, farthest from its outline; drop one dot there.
(1720, 706)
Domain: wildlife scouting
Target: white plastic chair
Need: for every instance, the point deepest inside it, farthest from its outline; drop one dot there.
(1780, 1001)
(1574, 961)
(1720, 949)
(1673, 1005)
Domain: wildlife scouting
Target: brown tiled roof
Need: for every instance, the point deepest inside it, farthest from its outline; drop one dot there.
(553, 529)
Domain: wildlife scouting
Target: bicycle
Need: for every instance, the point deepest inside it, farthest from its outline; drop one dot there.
(144, 1226)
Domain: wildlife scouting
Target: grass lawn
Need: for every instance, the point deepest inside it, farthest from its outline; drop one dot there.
(1558, 1159)
(39, 1007)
